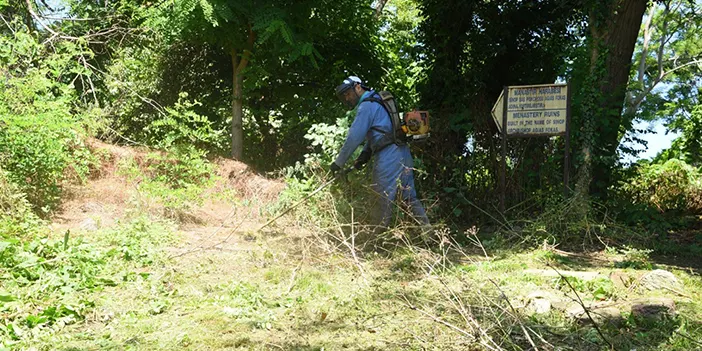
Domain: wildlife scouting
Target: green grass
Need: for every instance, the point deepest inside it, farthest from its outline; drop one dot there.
(280, 296)
(53, 282)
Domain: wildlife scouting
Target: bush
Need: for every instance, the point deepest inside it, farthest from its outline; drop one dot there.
(16, 218)
(41, 153)
(338, 199)
(182, 126)
(173, 181)
(671, 186)
(41, 138)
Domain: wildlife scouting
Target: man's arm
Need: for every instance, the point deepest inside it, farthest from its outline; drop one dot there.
(359, 128)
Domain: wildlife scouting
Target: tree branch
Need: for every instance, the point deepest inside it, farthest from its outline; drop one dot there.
(379, 7)
(73, 19)
(246, 56)
(664, 33)
(659, 79)
(646, 43)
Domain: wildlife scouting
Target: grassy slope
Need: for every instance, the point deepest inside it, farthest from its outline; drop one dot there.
(297, 291)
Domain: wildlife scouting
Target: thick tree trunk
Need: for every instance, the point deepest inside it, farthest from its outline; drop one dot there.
(237, 111)
(620, 40)
(616, 34)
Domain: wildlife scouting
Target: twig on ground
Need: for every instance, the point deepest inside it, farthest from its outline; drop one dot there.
(453, 327)
(540, 337)
(293, 275)
(300, 202)
(582, 304)
(516, 314)
(688, 337)
(438, 320)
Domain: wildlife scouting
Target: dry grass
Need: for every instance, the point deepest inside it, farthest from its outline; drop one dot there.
(311, 284)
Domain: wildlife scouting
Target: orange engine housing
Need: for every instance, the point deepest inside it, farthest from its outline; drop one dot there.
(416, 122)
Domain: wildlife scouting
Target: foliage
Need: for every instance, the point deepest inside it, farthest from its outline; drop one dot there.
(182, 126)
(173, 182)
(398, 41)
(67, 271)
(671, 186)
(17, 218)
(42, 135)
(687, 147)
(635, 258)
(326, 140)
(469, 62)
(667, 59)
(334, 205)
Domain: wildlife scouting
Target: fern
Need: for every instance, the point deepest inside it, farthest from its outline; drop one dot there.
(224, 12)
(208, 12)
(286, 32)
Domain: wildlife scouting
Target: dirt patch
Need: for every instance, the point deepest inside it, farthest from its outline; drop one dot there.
(247, 182)
(107, 193)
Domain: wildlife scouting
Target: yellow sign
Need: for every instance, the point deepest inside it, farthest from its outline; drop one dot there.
(533, 110)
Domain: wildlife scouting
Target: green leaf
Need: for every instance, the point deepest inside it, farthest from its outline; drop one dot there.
(208, 12)
(6, 298)
(33, 321)
(286, 33)
(5, 244)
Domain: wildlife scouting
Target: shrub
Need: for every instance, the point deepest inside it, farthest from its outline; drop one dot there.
(41, 138)
(671, 186)
(181, 125)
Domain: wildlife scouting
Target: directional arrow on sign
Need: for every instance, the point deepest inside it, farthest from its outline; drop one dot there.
(497, 111)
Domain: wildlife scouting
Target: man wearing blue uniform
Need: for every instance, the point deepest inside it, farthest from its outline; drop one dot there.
(392, 162)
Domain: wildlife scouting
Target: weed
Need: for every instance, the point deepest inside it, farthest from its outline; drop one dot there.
(68, 272)
(635, 258)
(173, 183)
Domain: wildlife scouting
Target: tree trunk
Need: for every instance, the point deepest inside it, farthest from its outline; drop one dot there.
(237, 111)
(616, 33)
(238, 66)
(379, 7)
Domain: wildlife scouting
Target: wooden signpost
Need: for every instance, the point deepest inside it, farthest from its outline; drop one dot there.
(533, 111)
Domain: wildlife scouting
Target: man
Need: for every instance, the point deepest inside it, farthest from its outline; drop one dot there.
(392, 166)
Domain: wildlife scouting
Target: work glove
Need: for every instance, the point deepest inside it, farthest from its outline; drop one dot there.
(334, 169)
(362, 159)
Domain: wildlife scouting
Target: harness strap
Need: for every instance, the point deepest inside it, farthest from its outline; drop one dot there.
(388, 137)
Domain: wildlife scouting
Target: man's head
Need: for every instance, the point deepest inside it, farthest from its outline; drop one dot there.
(350, 91)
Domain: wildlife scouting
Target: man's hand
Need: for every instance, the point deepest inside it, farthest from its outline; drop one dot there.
(362, 159)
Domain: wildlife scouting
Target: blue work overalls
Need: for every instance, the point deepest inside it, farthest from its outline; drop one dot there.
(392, 166)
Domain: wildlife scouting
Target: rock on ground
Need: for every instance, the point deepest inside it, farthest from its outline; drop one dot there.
(653, 308)
(660, 279)
(605, 314)
(89, 224)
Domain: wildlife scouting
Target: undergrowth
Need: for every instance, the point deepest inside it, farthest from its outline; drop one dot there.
(42, 133)
(173, 182)
(51, 282)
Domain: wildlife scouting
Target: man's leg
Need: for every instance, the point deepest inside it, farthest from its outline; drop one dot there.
(382, 211)
(409, 196)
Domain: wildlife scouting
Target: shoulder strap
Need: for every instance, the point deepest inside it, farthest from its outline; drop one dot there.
(392, 136)
(374, 99)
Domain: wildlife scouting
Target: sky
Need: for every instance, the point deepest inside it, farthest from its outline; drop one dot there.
(657, 141)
